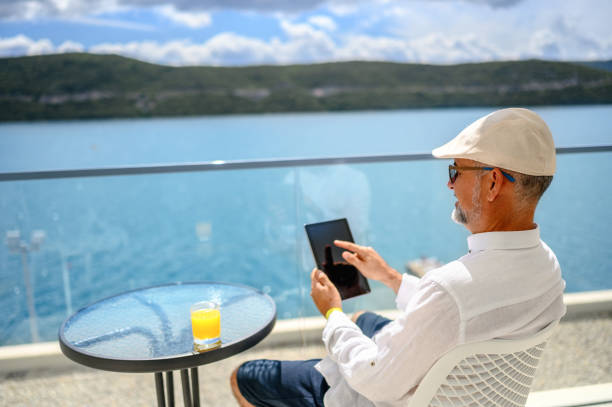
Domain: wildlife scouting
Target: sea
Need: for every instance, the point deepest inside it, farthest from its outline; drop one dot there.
(87, 238)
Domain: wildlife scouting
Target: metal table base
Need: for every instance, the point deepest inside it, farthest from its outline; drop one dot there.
(191, 393)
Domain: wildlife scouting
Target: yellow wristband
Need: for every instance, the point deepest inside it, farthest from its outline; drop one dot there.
(329, 311)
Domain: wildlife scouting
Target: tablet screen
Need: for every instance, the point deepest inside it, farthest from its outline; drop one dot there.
(349, 281)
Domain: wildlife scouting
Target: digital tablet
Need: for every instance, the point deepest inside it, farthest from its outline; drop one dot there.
(349, 281)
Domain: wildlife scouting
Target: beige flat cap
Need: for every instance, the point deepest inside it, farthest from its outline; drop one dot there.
(515, 139)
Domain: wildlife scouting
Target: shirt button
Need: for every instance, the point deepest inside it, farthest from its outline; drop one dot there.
(372, 363)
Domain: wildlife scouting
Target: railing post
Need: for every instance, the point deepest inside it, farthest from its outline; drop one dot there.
(66, 281)
(29, 294)
(18, 246)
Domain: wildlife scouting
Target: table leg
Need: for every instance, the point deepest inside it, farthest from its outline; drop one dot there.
(170, 388)
(195, 387)
(185, 383)
(159, 389)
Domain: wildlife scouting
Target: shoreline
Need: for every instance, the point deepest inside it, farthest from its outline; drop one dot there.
(574, 369)
(286, 333)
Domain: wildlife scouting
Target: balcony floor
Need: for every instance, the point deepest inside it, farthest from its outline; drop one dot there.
(579, 354)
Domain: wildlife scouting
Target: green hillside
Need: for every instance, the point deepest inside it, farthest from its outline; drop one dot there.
(94, 86)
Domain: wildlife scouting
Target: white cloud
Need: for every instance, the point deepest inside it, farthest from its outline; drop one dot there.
(229, 48)
(376, 49)
(222, 49)
(441, 31)
(70, 46)
(497, 3)
(300, 30)
(104, 22)
(22, 45)
(323, 22)
(166, 53)
(305, 43)
(565, 41)
(316, 40)
(35, 9)
(191, 19)
(439, 48)
(343, 10)
(543, 42)
(29, 10)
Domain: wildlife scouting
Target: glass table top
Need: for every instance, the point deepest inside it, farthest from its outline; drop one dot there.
(154, 323)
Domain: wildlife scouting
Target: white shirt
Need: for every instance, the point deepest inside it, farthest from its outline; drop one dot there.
(508, 285)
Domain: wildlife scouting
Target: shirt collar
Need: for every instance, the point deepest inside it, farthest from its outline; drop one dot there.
(504, 240)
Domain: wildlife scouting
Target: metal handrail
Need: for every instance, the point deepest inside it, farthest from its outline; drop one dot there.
(240, 164)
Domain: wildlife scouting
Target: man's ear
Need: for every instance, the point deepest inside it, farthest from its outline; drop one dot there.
(495, 181)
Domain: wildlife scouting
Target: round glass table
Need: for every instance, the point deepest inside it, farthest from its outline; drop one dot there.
(149, 330)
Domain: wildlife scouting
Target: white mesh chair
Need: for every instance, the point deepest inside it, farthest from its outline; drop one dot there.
(498, 372)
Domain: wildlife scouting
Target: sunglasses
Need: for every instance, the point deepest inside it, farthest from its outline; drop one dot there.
(453, 172)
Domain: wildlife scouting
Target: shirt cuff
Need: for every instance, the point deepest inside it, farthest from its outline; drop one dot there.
(329, 311)
(335, 321)
(407, 289)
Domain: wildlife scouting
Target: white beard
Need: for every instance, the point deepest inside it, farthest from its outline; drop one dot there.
(461, 217)
(458, 216)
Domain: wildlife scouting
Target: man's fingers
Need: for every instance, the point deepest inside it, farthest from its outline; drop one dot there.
(347, 245)
(360, 252)
(352, 259)
(317, 276)
(322, 278)
(314, 278)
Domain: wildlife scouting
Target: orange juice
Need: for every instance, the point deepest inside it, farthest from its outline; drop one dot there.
(205, 325)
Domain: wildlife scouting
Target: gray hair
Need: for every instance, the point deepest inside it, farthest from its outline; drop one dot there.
(530, 188)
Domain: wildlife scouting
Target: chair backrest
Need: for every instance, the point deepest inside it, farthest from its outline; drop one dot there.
(498, 372)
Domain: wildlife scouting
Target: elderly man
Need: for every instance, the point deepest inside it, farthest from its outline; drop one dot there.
(508, 285)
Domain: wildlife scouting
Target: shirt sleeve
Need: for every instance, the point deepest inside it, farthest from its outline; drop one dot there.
(407, 289)
(388, 366)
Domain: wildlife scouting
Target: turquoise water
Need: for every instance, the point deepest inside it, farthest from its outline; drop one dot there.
(110, 234)
(87, 144)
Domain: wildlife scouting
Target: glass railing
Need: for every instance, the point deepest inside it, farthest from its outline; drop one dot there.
(74, 237)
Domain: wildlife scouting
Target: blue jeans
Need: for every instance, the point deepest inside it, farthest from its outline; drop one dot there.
(282, 383)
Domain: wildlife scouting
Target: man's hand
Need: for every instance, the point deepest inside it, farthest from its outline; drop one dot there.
(370, 264)
(341, 274)
(324, 294)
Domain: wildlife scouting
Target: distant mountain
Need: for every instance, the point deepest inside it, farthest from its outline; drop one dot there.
(73, 86)
(605, 65)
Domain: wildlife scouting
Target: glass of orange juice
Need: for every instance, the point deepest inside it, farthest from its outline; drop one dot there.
(206, 325)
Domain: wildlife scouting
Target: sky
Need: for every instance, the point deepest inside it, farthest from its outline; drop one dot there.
(255, 32)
